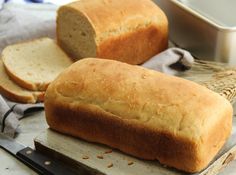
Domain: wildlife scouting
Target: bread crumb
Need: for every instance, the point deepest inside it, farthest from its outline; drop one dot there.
(165, 166)
(99, 156)
(108, 151)
(130, 163)
(85, 157)
(110, 165)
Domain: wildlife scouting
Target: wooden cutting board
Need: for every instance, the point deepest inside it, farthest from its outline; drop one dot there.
(79, 153)
(100, 158)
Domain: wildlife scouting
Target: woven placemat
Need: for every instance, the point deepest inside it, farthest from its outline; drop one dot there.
(218, 77)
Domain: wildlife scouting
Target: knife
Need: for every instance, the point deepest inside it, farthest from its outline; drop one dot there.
(40, 163)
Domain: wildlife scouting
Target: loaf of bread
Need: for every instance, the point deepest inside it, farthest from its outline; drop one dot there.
(13, 92)
(34, 64)
(130, 31)
(141, 112)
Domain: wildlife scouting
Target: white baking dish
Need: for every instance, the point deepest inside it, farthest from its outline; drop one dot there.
(207, 28)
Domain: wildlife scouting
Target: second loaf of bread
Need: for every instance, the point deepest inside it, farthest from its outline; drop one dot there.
(139, 111)
(131, 31)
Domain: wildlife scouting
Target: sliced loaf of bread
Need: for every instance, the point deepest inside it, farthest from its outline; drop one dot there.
(14, 92)
(34, 64)
(130, 31)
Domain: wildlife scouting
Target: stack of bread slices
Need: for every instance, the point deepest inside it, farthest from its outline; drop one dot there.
(26, 69)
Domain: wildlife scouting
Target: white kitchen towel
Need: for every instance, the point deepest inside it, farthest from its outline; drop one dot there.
(25, 22)
(11, 113)
(8, 120)
(170, 61)
(1, 4)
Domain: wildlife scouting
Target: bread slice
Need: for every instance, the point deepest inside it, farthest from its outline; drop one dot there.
(34, 64)
(14, 92)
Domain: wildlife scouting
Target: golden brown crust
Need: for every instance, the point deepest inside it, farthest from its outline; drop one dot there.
(141, 112)
(134, 47)
(95, 125)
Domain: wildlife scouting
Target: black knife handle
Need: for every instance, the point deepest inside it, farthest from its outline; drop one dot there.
(43, 164)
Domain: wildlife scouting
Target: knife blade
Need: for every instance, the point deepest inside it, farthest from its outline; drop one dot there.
(42, 164)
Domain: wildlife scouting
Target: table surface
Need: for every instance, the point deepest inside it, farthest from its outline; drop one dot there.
(32, 126)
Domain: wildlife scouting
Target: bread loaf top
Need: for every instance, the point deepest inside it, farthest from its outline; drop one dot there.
(164, 103)
(127, 16)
